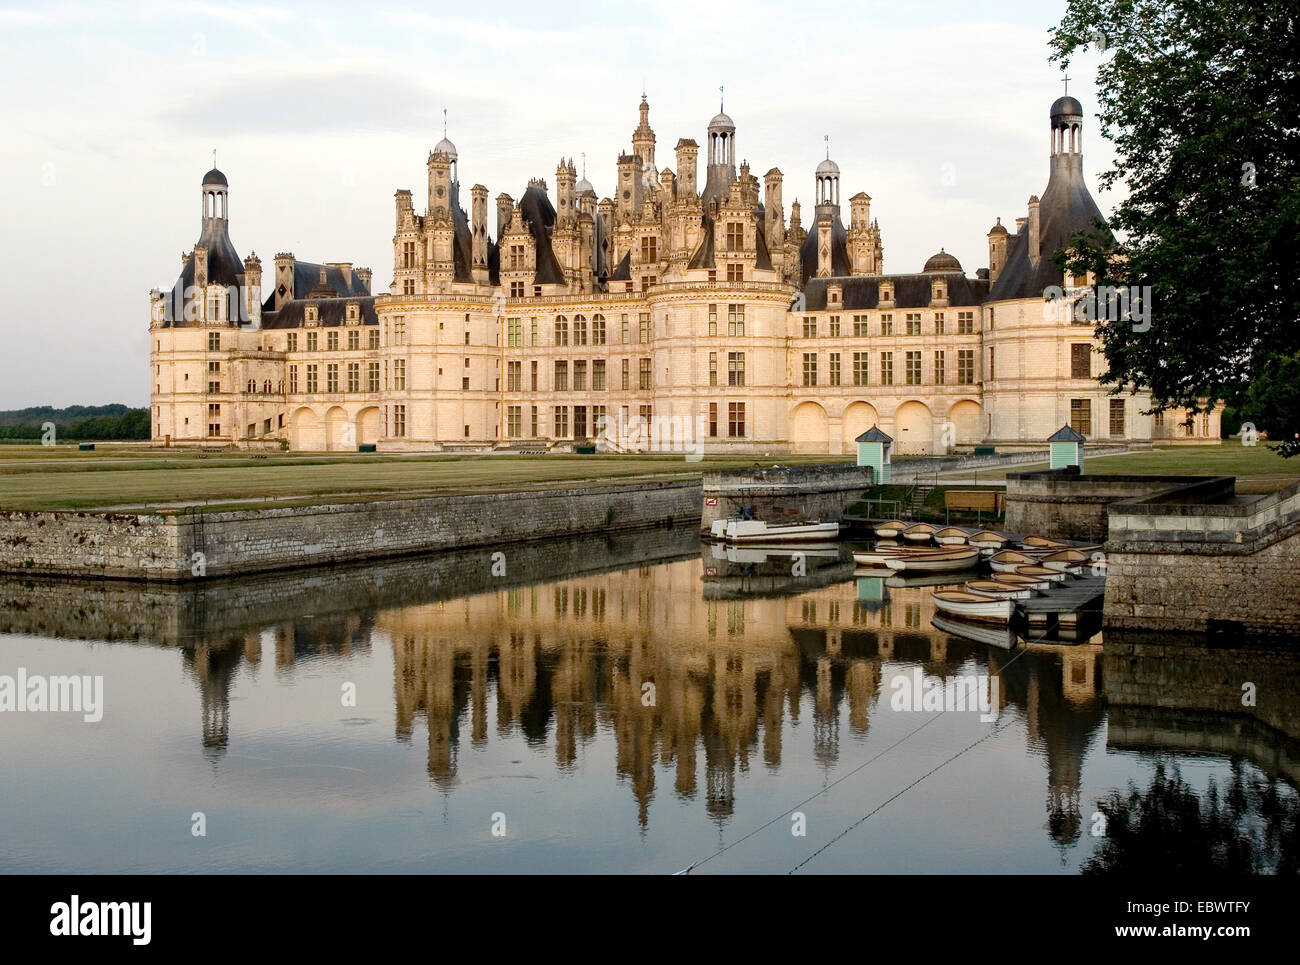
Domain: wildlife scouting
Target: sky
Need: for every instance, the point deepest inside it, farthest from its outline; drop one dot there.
(319, 112)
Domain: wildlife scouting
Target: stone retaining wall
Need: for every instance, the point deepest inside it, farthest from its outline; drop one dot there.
(784, 492)
(186, 546)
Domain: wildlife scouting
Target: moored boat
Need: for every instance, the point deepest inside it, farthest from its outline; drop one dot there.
(986, 539)
(919, 532)
(1001, 636)
(1042, 572)
(890, 529)
(936, 561)
(761, 531)
(886, 549)
(974, 606)
(1007, 560)
(1003, 591)
(1020, 579)
(1043, 542)
(951, 536)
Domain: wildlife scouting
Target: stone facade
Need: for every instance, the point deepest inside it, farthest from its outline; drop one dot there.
(700, 314)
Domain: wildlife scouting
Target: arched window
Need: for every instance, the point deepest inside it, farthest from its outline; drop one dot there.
(561, 330)
(266, 386)
(252, 387)
(579, 330)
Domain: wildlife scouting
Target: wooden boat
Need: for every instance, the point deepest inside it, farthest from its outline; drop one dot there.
(974, 606)
(886, 549)
(986, 539)
(1003, 591)
(1031, 569)
(1019, 579)
(919, 532)
(1043, 542)
(1007, 560)
(1065, 560)
(951, 536)
(890, 529)
(761, 531)
(937, 561)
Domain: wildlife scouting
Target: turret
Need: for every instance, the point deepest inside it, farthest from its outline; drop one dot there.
(643, 145)
(772, 210)
(479, 237)
(687, 154)
(997, 250)
(251, 308)
(565, 176)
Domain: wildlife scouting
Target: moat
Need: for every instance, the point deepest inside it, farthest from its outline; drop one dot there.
(632, 704)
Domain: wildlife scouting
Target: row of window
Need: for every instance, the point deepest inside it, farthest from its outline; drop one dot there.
(353, 375)
(1081, 417)
(332, 341)
(912, 325)
(577, 428)
(861, 369)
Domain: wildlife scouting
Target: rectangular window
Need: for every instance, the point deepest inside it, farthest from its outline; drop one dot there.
(913, 323)
(939, 372)
(293, 378)
(532, 332)
(560, 383)
(735, 272)
(514, 376)
(1117, 418)
(372, 339)
(860, 329)
(735, 368)
(810, 369)
(965, 323)
(644, 320)
(835, 368)
(913, 363)
(736, 420)
(735, 236)
(598, 419)
(991, 369)
(332, 377)
(713, 420)
(464, 384)
(516, 289)
(713, 368)
(311, 379)
(293, 342)
(214, 341)
(938, 323)
(399, 420)
(713, 319)
(598, 330)
(533, 421)
(580, 375)
(561, 331)
(810, 327)
(399, 331)
(399, 374)
(515, 332)
(644, 377)
(649, 250)
(214, 368)
(354, 376)
(966, 366)
(625, 329)
(561, 421)
(598, 375)
(886, 368)
(735, 320)
(835, 326)
(331, 341)
(1080, 360)
(372, 377)
(533, 376)
(887, 324)
(625, 384)
(354, 339)
(312, 342)
(1081, 416)
(514, 421)
(859, 368)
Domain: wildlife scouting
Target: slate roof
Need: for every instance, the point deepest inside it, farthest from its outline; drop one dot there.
(539, 215)
(874, 434)
(840, 264)
(225, 267)
(1066, 434)
(331, 312)
(862, 292)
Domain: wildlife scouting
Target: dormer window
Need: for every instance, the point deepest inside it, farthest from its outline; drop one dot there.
(352, 313)
(886, 292)
(312, 317)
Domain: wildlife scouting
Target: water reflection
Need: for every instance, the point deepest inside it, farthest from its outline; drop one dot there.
(698, 665)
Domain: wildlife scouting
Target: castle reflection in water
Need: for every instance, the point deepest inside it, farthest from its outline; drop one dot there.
(691, 665)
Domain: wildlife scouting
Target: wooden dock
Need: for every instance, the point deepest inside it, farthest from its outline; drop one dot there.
(1064, 602)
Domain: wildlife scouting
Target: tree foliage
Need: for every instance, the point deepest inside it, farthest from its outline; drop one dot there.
(76, 422)
(1200, 99)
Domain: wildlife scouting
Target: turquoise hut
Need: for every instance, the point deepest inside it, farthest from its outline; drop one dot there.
(873, 451)
(1066, 448)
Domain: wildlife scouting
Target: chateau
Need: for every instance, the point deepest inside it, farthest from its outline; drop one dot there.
(673, 309)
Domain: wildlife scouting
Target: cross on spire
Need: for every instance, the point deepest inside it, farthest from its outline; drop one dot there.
(584, 165)
(214, 159)
(827, 139)
(1067, 83)
(721, 95)
(444, 122)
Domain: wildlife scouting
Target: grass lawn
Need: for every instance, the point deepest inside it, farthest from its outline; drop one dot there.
(1258, 468)
(122, 477)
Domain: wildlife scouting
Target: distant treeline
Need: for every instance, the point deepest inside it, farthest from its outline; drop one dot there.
(76, 423)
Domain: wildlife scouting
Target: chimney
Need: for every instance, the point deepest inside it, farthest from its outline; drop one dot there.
(1034, 240)
(364, 274)
(505, 207)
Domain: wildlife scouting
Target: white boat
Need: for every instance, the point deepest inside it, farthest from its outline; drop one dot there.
(761, 531)
(974, 606)
(952, 536)
(1003, 591)
(986, 539)
(1001, 637)
(1042, 572)
(1006, 561)
(919, 533)
(745, 553)
(887, 549)
(1042, 542)
(1019, 579)
(938, 561)
(890, 529)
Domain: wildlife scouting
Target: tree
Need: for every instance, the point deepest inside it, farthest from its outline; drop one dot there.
(1200, 98)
